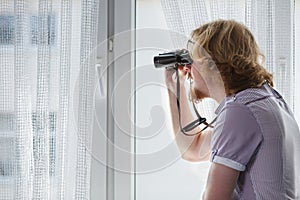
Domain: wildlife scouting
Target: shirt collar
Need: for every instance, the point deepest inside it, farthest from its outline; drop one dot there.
(223, 102)
(267, 91)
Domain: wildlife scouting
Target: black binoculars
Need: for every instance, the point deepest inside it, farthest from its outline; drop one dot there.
(171, 60)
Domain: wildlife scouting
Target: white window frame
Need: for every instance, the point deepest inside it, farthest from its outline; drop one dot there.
(116, 58)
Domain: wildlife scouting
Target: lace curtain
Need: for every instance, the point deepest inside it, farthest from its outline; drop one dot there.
(47, 69)
(269, 20)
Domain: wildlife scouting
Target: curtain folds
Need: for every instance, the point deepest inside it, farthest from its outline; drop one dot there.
(64, 96)
(47, 69)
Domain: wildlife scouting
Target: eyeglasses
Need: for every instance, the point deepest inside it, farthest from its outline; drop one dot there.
(190, 45)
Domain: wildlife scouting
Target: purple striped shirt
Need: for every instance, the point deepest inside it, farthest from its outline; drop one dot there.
(256, 134)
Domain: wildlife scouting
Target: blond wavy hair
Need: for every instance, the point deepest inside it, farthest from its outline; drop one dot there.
(235, 52)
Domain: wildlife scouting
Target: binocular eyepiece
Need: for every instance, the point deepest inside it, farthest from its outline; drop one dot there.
(171, 60)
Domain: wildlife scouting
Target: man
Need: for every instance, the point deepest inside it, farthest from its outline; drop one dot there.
(255, 143)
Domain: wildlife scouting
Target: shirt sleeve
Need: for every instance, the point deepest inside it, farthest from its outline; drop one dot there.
(236, 137)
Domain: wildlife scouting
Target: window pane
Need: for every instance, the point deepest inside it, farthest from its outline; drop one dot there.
(34, 23)
(6, 30)
(161, 173)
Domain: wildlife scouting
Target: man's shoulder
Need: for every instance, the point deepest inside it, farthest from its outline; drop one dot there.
(251, 99)
(251, 95)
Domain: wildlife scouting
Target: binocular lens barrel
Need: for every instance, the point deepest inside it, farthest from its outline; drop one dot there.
(165, 59)
(173, 59)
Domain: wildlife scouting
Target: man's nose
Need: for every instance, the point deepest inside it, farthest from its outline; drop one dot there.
(187, 68)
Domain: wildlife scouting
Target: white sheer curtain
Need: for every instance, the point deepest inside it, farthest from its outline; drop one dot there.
(271, 22)
(47, 68)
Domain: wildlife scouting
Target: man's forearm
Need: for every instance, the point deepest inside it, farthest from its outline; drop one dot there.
(192, 148)
(186, 115)
(183, 141)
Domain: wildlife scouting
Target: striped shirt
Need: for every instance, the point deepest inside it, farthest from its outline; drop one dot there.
(256, 134)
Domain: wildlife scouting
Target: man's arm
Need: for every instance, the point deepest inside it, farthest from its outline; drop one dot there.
(221, 182)
(192, 148)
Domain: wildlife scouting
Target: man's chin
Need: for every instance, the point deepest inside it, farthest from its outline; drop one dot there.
(197, 95)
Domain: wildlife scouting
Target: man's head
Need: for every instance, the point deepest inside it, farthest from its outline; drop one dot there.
(234, 52)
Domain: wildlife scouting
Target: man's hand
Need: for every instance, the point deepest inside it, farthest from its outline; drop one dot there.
(171, 79)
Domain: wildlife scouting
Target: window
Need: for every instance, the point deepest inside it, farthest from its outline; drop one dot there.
(7, 142)
(161, 173)
(182, 180)
(52, 138)
(34, 23)
(6, 30)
